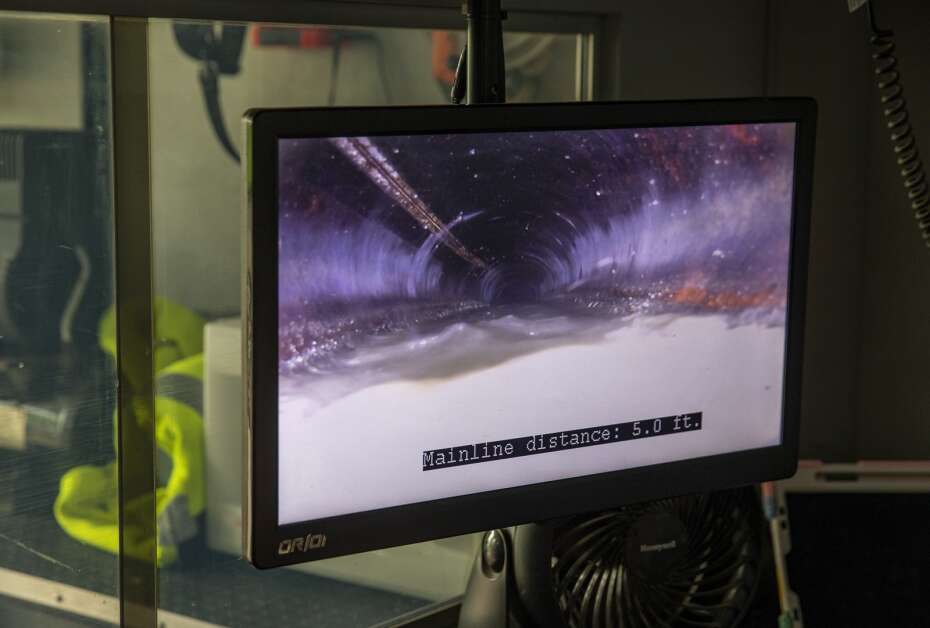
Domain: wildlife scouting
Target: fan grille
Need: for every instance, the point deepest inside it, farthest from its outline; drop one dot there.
(707, 582)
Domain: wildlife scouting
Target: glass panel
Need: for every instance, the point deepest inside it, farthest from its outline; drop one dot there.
(58, 526)
(196, 188)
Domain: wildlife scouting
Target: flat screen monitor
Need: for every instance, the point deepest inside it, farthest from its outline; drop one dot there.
(462, 318)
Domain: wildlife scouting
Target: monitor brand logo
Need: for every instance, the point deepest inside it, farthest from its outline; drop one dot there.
(658, 547)
(302, 544)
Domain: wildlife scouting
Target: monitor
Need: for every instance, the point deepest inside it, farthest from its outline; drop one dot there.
(462, 318)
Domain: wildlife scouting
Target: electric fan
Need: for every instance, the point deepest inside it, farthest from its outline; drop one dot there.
(685, 561)
(689, 561)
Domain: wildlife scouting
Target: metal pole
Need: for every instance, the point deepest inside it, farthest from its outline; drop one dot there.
(484, 51)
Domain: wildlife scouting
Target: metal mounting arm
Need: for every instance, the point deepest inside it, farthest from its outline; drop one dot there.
(479, 76)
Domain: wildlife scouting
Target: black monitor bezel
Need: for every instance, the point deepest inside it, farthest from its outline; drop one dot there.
(404, 524)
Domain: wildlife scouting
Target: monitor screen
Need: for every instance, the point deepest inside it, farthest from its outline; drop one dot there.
(464, 312)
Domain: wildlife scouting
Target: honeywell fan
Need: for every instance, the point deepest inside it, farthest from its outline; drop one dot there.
(684, 561)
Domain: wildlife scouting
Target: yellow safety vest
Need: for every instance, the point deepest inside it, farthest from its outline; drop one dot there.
(87, 502)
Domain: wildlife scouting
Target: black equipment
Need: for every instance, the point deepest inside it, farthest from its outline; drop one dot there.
(685, 561)
(219, 52)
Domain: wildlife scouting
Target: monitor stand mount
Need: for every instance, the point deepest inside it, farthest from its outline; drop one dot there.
(492, 586)
(485, 601)
(511, 582)
(479, 76)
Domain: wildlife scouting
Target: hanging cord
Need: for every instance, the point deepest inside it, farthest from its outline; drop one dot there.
(894, 108)
(210, 86)
(66, 324)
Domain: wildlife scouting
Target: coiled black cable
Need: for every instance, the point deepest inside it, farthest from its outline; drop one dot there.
(894, 108)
